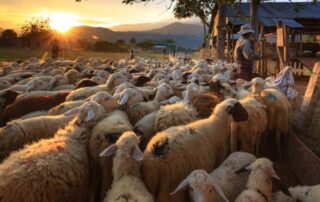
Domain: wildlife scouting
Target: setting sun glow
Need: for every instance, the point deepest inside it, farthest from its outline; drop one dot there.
(62, 22)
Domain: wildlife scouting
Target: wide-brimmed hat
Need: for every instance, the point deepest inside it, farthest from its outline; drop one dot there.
(245, 29)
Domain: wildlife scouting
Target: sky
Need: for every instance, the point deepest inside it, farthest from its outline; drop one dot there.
(103, 13)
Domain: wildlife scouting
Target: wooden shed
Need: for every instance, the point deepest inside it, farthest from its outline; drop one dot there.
(299, 18)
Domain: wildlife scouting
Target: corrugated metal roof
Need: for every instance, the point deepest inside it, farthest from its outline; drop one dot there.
(284, 10)
(268, 22)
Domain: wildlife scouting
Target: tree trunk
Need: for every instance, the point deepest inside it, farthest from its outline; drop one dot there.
(213, 15)
(220, 32)
(254, 21)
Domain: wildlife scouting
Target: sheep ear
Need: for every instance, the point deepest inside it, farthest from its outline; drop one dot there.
(109, 151)
(220, 192)
(238, 112)
(278, 185)
(244, 169)
(72, 112)
(124, 98)
(90, 116)
(183, 185)
(137, 154)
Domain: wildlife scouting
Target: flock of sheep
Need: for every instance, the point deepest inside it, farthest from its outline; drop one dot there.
(139, 130)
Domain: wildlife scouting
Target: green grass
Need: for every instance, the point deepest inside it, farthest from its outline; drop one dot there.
(14, 54)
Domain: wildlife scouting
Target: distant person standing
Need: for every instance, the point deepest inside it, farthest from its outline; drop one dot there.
(132, 54)
(244, 54)
(164, 51)
(55, 49)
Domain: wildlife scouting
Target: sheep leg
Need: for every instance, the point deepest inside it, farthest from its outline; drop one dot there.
(278, 142)
(257, 147)
(234, 138)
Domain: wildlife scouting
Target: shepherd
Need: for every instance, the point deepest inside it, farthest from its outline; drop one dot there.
(55, 49)
(244, 54)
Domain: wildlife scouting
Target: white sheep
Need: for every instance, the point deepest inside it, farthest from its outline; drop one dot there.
(241, 91)
(127, 183)
(24, 131)
(259, 185)
(54, 169)
(222, 184)
(104, 134)
(206, 139)
(299, 193)
(249, 132)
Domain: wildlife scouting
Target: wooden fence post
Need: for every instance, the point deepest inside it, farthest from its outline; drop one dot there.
(310, 100)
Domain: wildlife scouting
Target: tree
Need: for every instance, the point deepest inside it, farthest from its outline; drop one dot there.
(8, 38)
(35, 32)
(148, 43)
(120, 42)
(132, 40)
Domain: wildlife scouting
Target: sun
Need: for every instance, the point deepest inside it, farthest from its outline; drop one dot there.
(62, 22)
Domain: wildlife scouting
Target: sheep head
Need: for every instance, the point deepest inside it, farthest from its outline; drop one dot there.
(232, 107)
(129, 142)
(201, 187)
(106, 100)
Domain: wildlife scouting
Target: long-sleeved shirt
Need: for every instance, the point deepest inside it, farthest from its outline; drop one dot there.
(244, 54)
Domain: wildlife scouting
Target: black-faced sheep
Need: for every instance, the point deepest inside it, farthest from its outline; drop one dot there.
(104, 134)
(249, 132)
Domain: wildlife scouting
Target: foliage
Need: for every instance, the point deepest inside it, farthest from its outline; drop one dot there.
(108, 47)
(148, 43)
(120, 42)
(35, 32)
(168, 40)
(132, 40)
(8, 38)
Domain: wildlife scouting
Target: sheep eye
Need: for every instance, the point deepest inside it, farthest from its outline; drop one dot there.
(210, 190)
(191, 189)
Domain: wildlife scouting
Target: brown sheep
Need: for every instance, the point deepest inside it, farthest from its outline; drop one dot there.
(25, 106)
(205, 103)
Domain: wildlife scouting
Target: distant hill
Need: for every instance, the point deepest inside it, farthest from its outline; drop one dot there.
(139, 27)
(180, 29)
(92, 33)
(1, 29)
(185, 35)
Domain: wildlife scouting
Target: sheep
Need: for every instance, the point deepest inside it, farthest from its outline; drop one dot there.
(241, 91)
(54, 169)
(249, 132)
(174, 115)
(23, 131)
(105, 133)
(259, 185)
(127, 183)
(83, 93)
(299, 193)
(37, 85)
(85, 83)
(205, 103)
(139, 110)
(145, 129)
(7, 97)
(24, 106)
(205, 139)
(278, 112)
(65, 106)
(222, 184)
(128, 97)
(73, 75)
(4, 83)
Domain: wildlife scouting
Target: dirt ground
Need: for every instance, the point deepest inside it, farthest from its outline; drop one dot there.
(310, 136)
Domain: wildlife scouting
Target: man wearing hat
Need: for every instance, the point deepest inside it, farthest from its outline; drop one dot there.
(244, 54)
